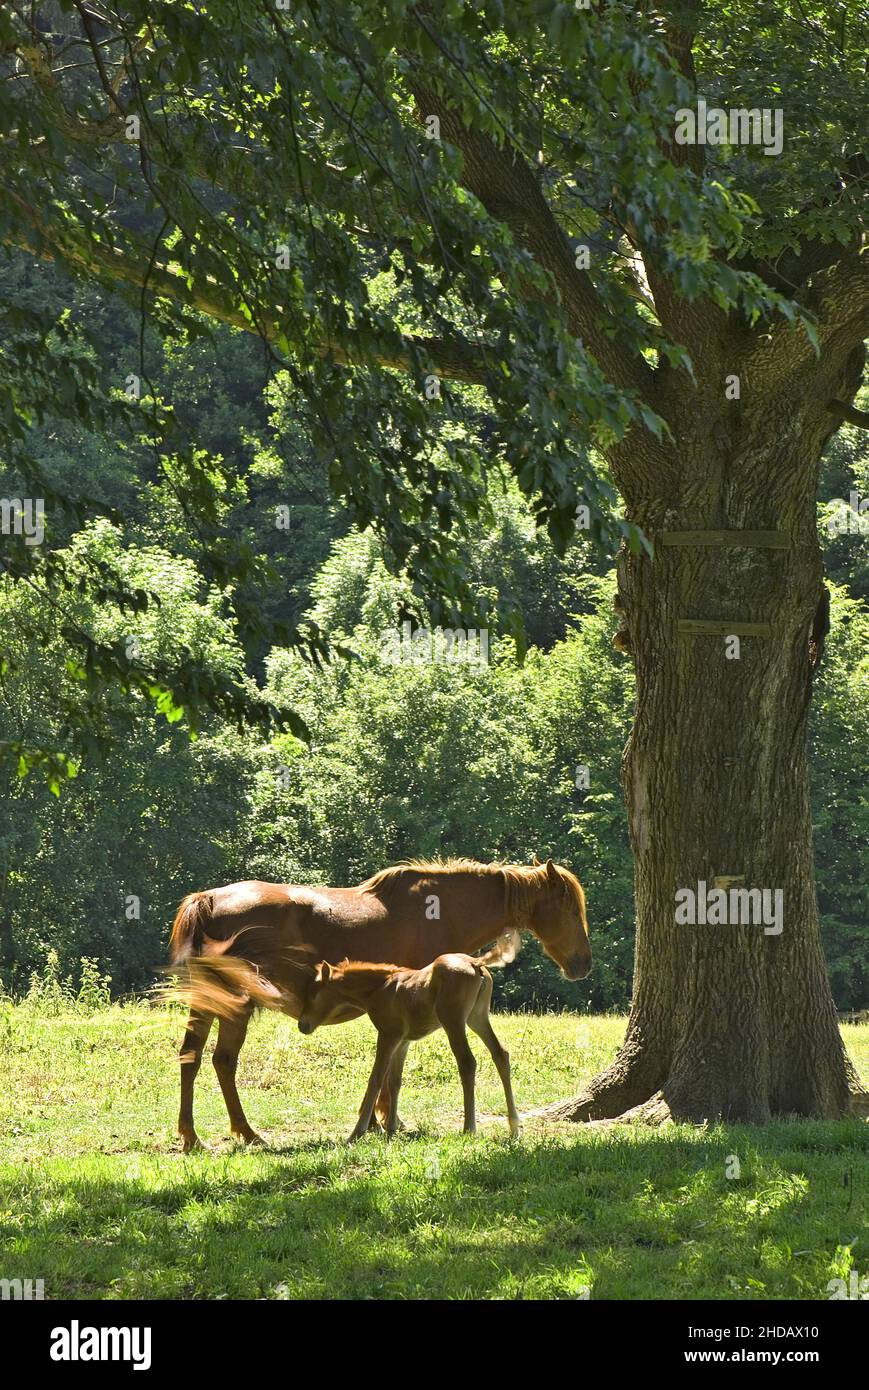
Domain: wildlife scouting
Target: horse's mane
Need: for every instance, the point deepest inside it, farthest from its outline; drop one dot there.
(521, 881)
(359, 967)
(384, 877)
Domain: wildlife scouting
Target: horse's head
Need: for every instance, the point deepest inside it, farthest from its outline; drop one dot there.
(325, 1000)
(557, 918)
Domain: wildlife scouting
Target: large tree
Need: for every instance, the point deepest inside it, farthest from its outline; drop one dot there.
(580, 275)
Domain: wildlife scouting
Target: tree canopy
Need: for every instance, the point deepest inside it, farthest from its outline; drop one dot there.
(464, 237)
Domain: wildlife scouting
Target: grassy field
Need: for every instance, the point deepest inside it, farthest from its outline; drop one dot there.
(96, 1199)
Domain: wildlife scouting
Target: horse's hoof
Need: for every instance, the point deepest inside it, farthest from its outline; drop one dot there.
(248, 1137)
(192, 1144)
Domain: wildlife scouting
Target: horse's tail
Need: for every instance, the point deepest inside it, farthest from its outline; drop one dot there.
(505, 950)
(188, 929)
(223, 986)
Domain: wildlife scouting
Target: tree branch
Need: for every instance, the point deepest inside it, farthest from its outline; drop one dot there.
(840, 296)
(849, 414)
(504, 183)
(454, 359)
(838, 301)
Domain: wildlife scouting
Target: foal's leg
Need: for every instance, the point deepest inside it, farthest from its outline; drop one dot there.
(396, 1069)
(387, 1101)
(230, 1037)
(386, 1045)
(198, 1028)
(382, 1108)
(454, 1027)
(479, 1020)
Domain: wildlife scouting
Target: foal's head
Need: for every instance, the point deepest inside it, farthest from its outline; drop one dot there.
(337, 992)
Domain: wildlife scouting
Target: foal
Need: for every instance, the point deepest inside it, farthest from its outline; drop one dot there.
(452, 993)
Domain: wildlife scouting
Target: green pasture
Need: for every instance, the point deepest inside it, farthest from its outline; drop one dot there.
(97, 1200)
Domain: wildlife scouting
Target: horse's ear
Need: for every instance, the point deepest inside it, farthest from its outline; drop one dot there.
(551, 869)
(535, 862)
(324, 972)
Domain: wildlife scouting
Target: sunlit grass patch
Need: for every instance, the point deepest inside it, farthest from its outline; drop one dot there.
(96, 1199)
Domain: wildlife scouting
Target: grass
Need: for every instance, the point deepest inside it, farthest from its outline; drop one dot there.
(96, 1199)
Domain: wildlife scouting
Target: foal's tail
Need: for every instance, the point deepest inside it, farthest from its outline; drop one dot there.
(505, 950)
(188, 929)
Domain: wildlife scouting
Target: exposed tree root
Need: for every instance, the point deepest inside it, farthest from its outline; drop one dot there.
(631, 1080)
(601, 1107)
(645, 1085)
(860, 1104)
(655, 1111)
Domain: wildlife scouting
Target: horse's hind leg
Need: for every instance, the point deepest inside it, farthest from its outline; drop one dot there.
(479, 1020)
(198, 1028)
(231, 1034)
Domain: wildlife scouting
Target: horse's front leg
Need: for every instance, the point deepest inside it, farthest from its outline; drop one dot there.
(386, 1045)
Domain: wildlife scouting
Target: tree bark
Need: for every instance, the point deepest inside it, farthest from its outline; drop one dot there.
(727, 1021)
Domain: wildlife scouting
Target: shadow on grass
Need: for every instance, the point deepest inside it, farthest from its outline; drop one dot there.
(626, 1214)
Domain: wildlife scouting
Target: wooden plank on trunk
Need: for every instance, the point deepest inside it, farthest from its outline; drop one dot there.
(713, 627)
(728, 540)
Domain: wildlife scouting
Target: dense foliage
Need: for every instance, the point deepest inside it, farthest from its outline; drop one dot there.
(407, 395)
(408, 759)
(460, 231)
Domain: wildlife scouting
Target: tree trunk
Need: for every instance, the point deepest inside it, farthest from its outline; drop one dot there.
(728, 1021)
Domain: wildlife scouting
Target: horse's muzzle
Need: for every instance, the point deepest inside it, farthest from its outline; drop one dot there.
(577, 967)
(305, 1027)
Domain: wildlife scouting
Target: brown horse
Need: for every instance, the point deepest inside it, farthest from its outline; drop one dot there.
(253, 944)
